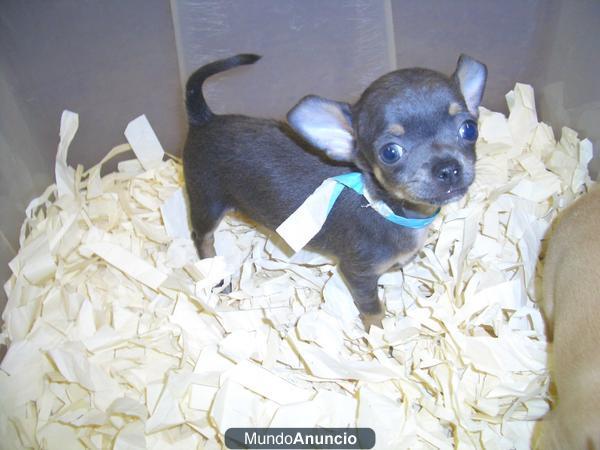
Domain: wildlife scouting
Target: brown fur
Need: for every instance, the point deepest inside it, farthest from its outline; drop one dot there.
(396, 129)
(571, 302)
(454, 109)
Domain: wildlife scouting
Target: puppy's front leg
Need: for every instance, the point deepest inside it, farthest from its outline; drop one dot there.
(362, 283)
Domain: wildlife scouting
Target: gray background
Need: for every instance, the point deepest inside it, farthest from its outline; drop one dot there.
(112, 60)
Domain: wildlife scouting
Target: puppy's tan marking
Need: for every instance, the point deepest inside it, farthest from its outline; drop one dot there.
(207, 247)
(396, 129)
(390, 188)
(403, 258)
(379, 175)
(454, 109)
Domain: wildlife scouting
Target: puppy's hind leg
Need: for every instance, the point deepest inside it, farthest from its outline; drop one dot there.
(205, 214)
(205, 218)
(363, 287)
(205, 245)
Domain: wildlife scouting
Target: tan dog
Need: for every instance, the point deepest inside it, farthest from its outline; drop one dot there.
(572, 306)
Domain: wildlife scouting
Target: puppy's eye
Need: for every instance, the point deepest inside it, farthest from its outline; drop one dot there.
(468, 131)
(391, 153)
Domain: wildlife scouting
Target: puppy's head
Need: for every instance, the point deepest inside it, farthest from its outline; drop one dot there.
(413, 129)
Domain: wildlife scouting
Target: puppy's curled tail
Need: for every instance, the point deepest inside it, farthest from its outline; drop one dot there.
(197, 109)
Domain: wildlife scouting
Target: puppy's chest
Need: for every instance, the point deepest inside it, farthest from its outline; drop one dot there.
(407, 246)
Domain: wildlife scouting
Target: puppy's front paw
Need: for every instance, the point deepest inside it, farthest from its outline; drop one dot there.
(375, 319)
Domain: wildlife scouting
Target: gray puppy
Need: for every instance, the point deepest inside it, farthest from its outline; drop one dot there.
(411, 134)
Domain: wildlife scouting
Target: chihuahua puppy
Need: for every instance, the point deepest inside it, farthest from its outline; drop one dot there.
(411, 134)
(571, 303)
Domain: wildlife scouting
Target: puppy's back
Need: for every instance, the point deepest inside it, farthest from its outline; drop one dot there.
(571, 302)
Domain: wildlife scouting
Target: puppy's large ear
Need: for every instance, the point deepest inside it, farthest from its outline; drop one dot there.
(326, 124)
(470, 75)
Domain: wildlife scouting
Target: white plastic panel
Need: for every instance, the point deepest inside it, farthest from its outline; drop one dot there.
(504, 35)
(550, 44)
(329, 48)
(568, 73)
(108, 61)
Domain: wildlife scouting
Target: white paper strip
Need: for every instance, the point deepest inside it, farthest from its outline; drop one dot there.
(175, 216)
(144, 142)
(263, 382)
(304, 223)
(128, 263)
(65, 175)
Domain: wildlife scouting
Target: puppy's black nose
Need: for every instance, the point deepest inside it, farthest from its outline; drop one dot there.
(448, 172)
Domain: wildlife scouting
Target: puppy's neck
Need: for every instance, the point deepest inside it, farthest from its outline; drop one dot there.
(400, 207)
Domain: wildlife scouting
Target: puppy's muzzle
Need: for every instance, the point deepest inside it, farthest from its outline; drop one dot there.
(448, 173)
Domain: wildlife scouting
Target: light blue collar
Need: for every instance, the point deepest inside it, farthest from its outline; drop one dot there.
(354, 181)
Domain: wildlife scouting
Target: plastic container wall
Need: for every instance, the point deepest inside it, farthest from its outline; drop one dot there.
(507, 36)
(550, 44)
(108, 61)
(334, 49)
(567, 78)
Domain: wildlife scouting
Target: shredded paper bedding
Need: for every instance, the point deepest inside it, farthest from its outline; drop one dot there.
(118, 338)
